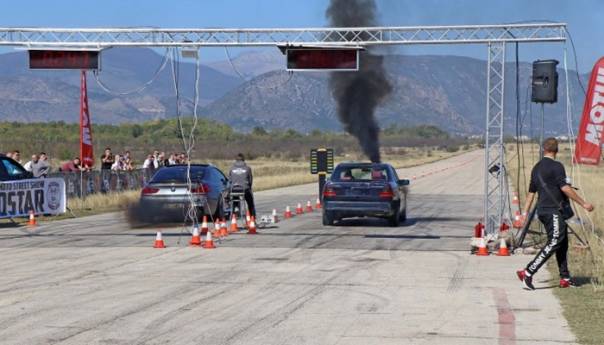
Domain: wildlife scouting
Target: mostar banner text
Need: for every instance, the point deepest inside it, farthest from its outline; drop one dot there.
(42, 196)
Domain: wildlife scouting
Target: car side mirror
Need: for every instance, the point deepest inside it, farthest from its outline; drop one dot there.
(403, 182)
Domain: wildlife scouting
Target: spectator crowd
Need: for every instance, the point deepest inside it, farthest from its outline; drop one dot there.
(124, 162)
(39, 165)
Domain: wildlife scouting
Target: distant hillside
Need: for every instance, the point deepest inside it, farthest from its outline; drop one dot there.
(39, 95)
(446, 91)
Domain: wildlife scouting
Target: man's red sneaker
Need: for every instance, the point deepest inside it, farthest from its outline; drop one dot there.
(527, 281)
(520, 275)
(567, 282)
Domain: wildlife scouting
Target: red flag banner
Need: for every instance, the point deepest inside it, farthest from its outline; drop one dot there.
(589, 141)
(86, 154)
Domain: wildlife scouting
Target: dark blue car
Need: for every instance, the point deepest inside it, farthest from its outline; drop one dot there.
(365, 190)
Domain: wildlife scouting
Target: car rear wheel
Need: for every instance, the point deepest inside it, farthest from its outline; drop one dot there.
(395, 219)
(327, 218)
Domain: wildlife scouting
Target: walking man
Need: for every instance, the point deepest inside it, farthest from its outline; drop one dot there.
(241, 177)
(548, 178)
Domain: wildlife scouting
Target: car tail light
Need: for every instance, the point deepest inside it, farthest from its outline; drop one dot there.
(201, 188)
(149, 190)
(328, 192)
(387, 193)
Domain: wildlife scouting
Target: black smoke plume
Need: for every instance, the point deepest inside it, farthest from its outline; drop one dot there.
(358, 93)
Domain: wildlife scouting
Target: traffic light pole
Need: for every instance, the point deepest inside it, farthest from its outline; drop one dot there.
(322, 179)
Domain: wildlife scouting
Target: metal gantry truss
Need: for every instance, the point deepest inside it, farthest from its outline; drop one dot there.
(494, 36)
(367, 36)
(494, 204)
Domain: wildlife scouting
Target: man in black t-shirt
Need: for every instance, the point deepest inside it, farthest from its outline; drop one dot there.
(548, 179)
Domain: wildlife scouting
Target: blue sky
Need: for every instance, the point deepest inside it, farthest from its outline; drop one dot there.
(585, 18)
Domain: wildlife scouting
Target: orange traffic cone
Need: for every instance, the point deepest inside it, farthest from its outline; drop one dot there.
(32, 219)
(299, 209)
(251, 229)
(482, 248)
(248, 217)
(234, 227)
(195, 239)
(159, 242)
(224, 231)
(517, 223)
(318, 204)
(503, 248)
(504, 227)
(275, 218)
(216, 232)
(209, 243)
(308, 206)
(288, 213)
(204, 225)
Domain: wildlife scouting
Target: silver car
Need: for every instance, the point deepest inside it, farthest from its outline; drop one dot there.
(168, 191)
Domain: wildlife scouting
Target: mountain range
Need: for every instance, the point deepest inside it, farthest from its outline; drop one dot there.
(252, 89)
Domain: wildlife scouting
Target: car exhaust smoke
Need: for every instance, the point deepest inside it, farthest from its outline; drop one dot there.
(359, 93)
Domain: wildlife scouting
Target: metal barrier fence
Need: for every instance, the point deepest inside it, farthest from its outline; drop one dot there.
(103, 181)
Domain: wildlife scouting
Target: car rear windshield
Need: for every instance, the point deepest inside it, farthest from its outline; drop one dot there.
(178, 174)
(356, 173)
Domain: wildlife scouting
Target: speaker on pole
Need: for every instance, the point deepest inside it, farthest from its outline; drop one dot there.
(545, 81)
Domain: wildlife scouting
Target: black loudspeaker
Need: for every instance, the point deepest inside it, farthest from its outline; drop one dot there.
(545, 81)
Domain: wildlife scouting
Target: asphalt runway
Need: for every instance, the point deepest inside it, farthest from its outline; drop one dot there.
(95, 280)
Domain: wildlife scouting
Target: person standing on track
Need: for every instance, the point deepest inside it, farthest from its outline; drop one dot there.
(241, 177)
(548, 178)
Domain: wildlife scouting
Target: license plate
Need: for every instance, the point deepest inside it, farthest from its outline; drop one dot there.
(355, 192)
(172, 206)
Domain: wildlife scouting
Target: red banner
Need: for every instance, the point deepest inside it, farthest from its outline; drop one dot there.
(589, 141)
(86, 154)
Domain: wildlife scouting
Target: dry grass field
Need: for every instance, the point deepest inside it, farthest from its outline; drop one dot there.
(583, 307)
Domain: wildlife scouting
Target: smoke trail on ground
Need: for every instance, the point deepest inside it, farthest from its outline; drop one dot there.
(359, 93)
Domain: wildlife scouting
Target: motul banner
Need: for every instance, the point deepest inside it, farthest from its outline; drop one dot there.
(86, 154)
(589, 141)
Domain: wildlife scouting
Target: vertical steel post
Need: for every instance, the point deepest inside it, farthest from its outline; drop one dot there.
(494, 150)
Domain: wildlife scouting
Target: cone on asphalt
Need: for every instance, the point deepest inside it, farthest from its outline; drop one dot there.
(274, 217)
(195, 238)
(159, 242)
(216, 232)
(224, 231)
(32, 219)
(251, 229)
(208, 243)
(482, 248)
(234, 227)
(248, 217)
(204, 225)
(308, 206)
(299, 209)
(318, 204)
(288, 213)
(503, 248)
(517, 223)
